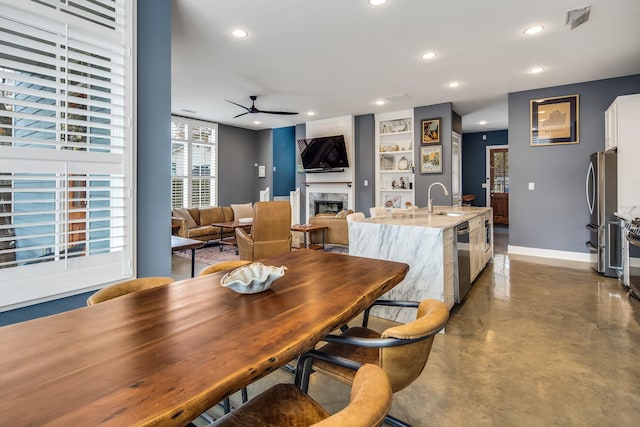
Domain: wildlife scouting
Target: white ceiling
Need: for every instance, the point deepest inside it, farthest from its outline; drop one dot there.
(336, 57)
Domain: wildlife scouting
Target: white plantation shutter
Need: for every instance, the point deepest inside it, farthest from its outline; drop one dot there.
(193, 162)
(65, 146)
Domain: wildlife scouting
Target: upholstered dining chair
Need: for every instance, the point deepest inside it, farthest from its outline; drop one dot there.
(286, 405)
(378, 211)
(402, 351)
(356, 216)
(270, 233)
(222, 266)
(127, 287)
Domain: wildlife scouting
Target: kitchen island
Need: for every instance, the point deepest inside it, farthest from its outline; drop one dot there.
(427, 242)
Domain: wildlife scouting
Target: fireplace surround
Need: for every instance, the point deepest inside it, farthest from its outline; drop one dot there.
(327, 206)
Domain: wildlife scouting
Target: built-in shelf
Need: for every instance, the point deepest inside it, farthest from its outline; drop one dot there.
(395, 159)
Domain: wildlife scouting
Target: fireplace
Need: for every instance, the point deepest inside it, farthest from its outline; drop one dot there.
(327, 206)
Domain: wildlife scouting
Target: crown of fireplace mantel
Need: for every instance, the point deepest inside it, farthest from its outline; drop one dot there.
(347, 183)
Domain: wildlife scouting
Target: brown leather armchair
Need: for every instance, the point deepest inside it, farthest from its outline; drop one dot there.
(270, 234)
(337, 232)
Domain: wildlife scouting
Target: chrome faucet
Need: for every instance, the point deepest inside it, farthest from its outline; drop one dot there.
(430, 205)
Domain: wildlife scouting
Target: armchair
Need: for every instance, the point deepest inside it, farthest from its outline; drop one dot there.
(270, 234)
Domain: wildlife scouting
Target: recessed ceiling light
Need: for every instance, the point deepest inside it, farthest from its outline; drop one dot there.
(239, 33)
(429, 55)
(380, 102)
(533, 30)
(536, 70)
(483, 122)
(257, 122)
(454, 84)
(311, 113)
(377, 2)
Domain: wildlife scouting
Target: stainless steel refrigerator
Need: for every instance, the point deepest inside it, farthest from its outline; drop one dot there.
(605, 233)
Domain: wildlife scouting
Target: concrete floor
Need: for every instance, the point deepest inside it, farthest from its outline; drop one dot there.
(533, 344)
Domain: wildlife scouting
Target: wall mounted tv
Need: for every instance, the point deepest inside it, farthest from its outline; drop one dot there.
(324, 154)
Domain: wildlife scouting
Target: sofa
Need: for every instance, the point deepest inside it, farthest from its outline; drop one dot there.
(195, 223)
(337, 232)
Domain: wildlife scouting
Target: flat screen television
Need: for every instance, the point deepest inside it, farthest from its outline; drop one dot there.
(324, 154)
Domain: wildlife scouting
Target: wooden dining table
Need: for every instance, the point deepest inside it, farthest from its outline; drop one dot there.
(162, 356)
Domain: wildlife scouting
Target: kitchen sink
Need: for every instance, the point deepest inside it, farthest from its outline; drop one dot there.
(451, 213)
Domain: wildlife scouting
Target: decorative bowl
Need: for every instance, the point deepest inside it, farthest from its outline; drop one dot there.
(252, 278)
(245, 220)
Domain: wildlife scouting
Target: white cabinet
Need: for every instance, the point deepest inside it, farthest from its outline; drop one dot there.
(623, 127)
(487, 236)
(476, 246)
(394, 165)
(449, 270)
(611, 127)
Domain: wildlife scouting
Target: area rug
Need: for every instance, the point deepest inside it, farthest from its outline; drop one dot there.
(212, 254)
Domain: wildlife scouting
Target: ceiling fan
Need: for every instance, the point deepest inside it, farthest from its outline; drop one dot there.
(253, 109)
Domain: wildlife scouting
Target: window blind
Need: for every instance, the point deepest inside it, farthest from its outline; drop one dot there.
(65, 146)
(193, 162)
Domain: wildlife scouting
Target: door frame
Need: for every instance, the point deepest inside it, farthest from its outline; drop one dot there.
(487, 172)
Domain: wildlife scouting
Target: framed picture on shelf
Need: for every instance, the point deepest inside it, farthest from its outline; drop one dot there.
(391, 201)
(387, 163)
(431, 131)
(554, 121)
(431, 159)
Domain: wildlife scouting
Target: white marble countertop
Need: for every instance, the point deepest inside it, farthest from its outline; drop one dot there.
(421, 218)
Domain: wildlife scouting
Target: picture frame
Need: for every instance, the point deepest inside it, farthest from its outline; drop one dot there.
(431, 159)
(431, 131)
(387, 162)
(554, 121)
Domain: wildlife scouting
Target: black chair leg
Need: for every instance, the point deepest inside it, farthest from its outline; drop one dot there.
(395, 422)
(245, 395)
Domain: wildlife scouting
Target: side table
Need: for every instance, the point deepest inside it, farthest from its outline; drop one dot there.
(305, 229)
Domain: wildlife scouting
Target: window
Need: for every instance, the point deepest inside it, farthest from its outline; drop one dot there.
(65, 151)
(193, 163)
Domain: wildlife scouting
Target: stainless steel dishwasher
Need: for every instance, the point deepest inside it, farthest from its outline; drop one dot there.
(464, 271)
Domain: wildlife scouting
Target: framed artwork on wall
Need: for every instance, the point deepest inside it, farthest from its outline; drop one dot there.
(431, 131)
(554, 121)
(431, 159)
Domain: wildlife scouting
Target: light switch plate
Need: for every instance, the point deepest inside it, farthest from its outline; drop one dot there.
(532, 186)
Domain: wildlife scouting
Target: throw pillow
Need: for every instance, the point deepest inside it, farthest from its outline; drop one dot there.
(184, 214)
(242, 211)
(342, 214)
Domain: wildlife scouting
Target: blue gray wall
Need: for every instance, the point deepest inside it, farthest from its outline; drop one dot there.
(284, 161)
(554, 215)
(153, 139)
(474, 163)
(422, 181)
(238, 152)
(364, 158)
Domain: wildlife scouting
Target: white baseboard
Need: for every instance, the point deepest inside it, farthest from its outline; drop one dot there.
(551, 253)
(560, 255)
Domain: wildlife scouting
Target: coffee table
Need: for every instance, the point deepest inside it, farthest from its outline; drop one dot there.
(308, 228)
(182, 244)
(230, 241)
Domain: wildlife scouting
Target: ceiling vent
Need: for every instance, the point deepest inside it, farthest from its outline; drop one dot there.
(396, 98)
(577, 17)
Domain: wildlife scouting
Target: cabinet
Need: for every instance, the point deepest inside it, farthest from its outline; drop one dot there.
(476, 246)
(487, 236)
(395, 160)
(449, 270)
(622, 129)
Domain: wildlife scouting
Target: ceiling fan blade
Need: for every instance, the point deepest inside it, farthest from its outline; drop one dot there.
(239, 105)
(240, 114)
(277, 112)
